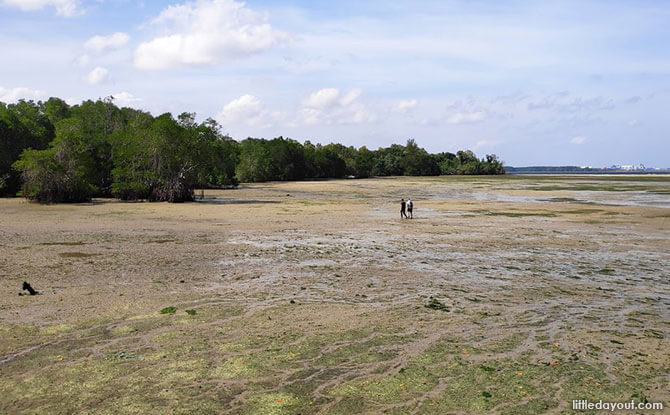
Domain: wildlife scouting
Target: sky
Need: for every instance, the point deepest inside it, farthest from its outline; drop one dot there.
(584, 82)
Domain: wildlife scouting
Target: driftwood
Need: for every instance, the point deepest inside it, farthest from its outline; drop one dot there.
(31, 290)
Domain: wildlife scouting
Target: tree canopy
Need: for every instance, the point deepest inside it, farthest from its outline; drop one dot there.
(53, 152)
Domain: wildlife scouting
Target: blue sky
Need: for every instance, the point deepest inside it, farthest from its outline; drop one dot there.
(535, 82)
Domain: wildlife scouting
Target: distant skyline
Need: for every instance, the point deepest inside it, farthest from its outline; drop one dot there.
(537, 83)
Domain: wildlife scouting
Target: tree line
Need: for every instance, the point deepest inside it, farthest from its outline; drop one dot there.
(53, 152)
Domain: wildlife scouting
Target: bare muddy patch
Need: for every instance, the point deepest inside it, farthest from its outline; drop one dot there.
(318, 304)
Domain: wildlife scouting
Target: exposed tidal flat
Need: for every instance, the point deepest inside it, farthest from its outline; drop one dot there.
(504, 295)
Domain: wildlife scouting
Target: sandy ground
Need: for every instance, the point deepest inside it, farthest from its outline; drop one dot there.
(310, 297)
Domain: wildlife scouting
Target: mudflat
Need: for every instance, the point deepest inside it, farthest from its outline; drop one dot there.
(504, 295)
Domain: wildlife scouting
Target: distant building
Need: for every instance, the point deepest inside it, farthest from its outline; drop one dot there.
(631, 167)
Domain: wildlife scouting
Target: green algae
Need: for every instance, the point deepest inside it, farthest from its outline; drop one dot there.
(168, 310)
(277, 403)
(409, 382)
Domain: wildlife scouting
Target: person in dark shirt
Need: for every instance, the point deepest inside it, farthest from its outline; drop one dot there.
(402, 209)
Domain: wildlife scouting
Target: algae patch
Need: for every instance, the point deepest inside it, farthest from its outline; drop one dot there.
(169, 310)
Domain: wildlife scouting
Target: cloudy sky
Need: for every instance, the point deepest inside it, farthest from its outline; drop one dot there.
(583, 82)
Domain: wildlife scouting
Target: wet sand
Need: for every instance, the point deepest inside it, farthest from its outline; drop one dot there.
(310, 297)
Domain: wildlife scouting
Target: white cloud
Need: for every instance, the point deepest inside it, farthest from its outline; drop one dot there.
(67, 8)
(241, 109)
(248, 110)
(204, 32)
(301, 64)
(465, 117)
(328, 106)
(124, 99)
(323, 98)
(97, 75)
(360, 115)
(580, 104)
(102, 43)
(350, 97)
(83, 60)
(484, 144)
(405, 105)
(547, 101)
(633, 123)
(578, 140)
(564, 102)
(15, 94)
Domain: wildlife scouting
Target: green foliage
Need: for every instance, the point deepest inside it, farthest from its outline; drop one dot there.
(130, 157)
(163, 159)
(171, 163)
(364, 162)
(62, 172)
(466, 162)
(58, 153)
(466, 157)
(222, 153)
(339, 154)
(327, 162)
(388, 161)
(492, 165)
(22, 125)
(417, 161)
(284, 159)
(56, 110)
(278, 159)
(254, 163)
(100, 119)
(448, 163)
(287, 159)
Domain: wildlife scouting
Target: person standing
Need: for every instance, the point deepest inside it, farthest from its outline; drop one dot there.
(410, 207)
(402, 209)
